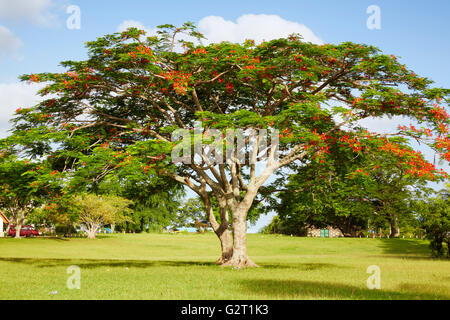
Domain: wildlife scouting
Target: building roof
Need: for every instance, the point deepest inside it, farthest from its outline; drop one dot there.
(4, 218)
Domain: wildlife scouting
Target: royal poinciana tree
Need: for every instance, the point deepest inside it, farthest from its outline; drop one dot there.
(133, 92)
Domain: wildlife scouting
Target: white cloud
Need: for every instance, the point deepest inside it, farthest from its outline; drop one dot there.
(14, 96)
(9, 43)
(251, 26)
(34, 11)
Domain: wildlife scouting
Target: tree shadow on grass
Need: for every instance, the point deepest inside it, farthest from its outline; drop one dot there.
(57, 239)
(401, 246)
(286, 289)
(40, 238)
(405, 249)
(100, 263)
(300, 266)
(94, 263)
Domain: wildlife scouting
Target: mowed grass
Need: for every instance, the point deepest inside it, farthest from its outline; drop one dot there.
(164, 266)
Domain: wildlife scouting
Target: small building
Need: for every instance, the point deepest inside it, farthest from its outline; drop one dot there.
(3, 221)
(328, 232)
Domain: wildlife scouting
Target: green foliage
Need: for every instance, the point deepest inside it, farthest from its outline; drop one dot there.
(25, 185)
(155, 199)
(191, 210)
(96, 211)
(61, 210)
(291, 226)
(156, 214)
(137, 90)
(434, 216)
(352, 194)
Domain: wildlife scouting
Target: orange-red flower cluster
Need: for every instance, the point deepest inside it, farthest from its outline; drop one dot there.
(413, 160)
(34, 78)
(200, 51)
(142, 50)
(180, 80)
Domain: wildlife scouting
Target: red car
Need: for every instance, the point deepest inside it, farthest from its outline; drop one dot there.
(26, 231)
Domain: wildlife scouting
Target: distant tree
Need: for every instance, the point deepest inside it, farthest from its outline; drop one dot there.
(349, 193)
(156, 213)
(96, 211)
(156, 200)
(434, 215)
(293, 225)
(25, 185)
(58, 210)
(191, 210)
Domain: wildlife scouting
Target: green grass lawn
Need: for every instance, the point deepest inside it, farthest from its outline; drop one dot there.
(164, 266)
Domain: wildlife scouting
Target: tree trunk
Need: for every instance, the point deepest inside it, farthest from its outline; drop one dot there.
(221, 230)
(239, 211)
(448, 248)
(437, 245)
(91, 234)
(346, 228)
(239, 258)
(223, 233)
(395, 231)
(19, 222)
(91, 231)
(18, 228)
(226, 245)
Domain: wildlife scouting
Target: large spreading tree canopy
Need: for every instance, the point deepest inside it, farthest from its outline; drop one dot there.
(123, 103)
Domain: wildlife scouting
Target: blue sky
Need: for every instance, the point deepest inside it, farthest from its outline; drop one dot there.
(414, 30)
(34, 36)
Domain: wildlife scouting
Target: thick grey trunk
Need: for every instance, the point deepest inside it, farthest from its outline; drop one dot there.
(226, 244)
(220, 229)
(239, 258)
